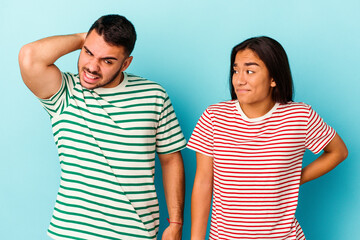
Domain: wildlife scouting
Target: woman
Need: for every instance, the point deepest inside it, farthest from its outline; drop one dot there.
(249, 150)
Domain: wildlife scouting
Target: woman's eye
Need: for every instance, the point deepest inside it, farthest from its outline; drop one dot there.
(250, 72)
(234, 71)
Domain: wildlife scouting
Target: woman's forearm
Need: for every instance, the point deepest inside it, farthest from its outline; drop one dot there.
(334, 153)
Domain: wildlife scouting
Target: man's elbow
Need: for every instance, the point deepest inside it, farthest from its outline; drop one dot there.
(25, 56)
(26, 60)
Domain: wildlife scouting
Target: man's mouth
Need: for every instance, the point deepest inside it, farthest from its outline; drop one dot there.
(90, 77)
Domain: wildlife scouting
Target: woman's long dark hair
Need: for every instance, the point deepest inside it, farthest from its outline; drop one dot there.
(274, 56)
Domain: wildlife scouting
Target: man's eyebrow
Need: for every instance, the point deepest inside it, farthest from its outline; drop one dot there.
(104, 58)
(87, 49)
(109, 58)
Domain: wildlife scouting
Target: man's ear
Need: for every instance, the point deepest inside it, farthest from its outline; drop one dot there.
(126, 63)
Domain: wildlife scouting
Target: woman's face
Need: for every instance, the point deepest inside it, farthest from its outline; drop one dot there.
(251, 80)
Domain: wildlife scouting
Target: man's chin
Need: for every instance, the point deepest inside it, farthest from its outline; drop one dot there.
(87, 85)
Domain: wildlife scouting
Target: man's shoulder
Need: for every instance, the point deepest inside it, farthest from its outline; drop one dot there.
(135, 81)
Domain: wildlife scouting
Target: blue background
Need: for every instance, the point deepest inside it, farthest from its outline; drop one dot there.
(185, 46)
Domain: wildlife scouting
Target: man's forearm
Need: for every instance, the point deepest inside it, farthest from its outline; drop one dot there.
(47, 50)
(174, 184)
(37, 60)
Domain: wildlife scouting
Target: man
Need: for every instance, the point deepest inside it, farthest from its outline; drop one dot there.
(107, 125)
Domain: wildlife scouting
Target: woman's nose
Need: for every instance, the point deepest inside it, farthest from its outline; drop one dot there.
(239, 79)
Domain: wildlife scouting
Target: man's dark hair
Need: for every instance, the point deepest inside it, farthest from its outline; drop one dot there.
(116, 30)
(274, 56)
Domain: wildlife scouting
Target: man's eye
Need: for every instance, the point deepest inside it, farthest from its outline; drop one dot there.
(250, 72)
(107, 61)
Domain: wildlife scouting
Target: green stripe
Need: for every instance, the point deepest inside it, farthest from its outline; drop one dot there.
(142, 200)
(112, 199)
(100, 196)
(108, 181)
(110, 206)
(102, 220)
(170, 136)
(111, 114)
(101, 131)
(106, 124)
(102, 139)
(92, 186)
(62, 235)
(169, 129)
(105, 172)
(173, 150)
(98, 227)
(134, 112)
(109, 158)
(104, 149)
(97, 146)
(73, 79)
(167, 115)
(142, 104)
(116, 159)
(172, 143)
(97, 203)
(141, 84)
(107, 164)
(106, 189)
(132, 92)
(52, 100)
(137, 98)
(98, 211)
(121, 94)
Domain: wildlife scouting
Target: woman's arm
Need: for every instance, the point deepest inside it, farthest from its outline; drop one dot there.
(201, 196)
(334, 153)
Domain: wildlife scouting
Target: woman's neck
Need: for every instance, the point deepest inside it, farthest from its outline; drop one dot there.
(256, 110)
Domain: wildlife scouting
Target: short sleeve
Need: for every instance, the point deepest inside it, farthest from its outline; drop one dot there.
(318, 133)
(169, 137)
(57, 103)
(202, 138)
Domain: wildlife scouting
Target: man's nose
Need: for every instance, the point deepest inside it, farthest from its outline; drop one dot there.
(93, 65)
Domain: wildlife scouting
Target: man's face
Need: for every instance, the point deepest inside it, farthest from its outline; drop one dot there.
(101, 64)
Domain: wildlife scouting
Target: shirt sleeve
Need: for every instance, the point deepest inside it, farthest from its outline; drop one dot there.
(169, 137)
(202, 138)
(59, 101)
(318, 133)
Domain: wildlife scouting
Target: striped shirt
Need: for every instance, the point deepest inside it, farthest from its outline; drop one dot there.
(257, 167)
(107, 139)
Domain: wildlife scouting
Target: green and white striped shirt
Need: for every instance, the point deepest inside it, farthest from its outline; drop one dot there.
(107, 139)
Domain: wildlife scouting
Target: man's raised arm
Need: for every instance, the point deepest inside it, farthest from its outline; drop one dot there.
(37, 60)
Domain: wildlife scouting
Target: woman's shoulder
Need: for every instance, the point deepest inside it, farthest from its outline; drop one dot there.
(297, 107)
(221, 106)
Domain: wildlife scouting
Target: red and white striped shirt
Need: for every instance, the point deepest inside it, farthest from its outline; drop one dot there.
(257, 167)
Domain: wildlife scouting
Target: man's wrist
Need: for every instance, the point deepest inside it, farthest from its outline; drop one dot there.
(178, 222)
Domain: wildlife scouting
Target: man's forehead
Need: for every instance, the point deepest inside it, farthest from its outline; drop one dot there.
(97, 45)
